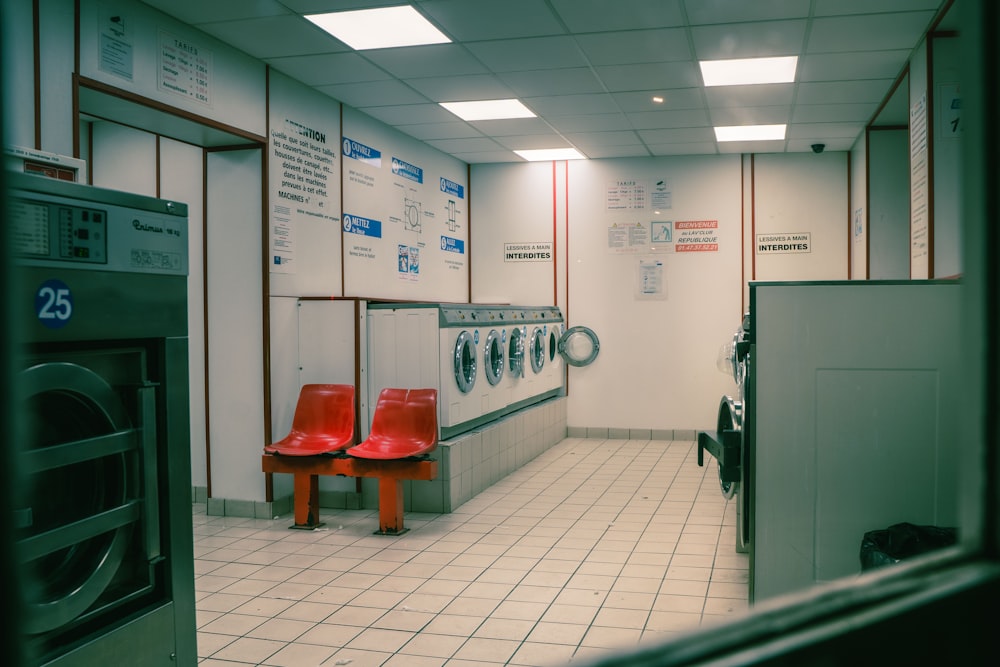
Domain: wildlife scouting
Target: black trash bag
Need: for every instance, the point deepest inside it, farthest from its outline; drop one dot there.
(900, 541)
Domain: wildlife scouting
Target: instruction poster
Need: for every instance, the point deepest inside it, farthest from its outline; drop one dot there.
(628, 237)
(405, 217)
(649, 280)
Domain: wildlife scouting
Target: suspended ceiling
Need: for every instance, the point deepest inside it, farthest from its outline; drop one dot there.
(590, 68)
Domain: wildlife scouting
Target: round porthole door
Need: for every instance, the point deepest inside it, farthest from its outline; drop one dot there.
(79, 511)
(465, 362)
(579, 346)
(553, 338)
(536, 350)
(730, 419)
(515, 350)
(493, 357)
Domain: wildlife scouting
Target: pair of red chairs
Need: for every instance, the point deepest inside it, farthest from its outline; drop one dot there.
(404, 424)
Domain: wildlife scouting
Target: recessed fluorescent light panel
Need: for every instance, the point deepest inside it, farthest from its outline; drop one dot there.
(489, 109)
(750, 133)
(746, 71)
(543, 154)
(381, 28)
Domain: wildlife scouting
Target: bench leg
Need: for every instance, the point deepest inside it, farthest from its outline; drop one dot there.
(390, 506)
(306, 501)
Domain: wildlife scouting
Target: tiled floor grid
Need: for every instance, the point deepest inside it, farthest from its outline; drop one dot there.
(591, 548)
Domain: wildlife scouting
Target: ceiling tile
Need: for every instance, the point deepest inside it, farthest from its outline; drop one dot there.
(608, 152)
(275, 36)
(571, 105)
(488, 157)
(470, 145)
(462, 88)
(836, 7)
(328, 69)
(642, 77)
(770, 115)
(199, 11)
(805, 145)
(458, 129)
(573, 81)
(635, 46)
(685, 135)
(674, 98)
(833, 113)
(771, 94)
(731, 11)
(533, 142)
(477, 20)
(429, 60)
(410, 114)
(600, 139)
(601, 122)
(600, 15)
(698, 148)
(748, 40)
(657, 119)
(374, 93)
(834, 92)
(751, 146)
(847, 66)
(853, 33)
(512, 126)
(512, 55)
(824, 130)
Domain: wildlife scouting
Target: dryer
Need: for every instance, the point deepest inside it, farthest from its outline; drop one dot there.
(104, 505)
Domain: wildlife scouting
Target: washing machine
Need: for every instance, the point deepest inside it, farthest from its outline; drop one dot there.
(103, 503)
(456, 349)
(540, 374)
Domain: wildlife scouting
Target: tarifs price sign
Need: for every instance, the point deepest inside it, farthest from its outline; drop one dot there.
(185, 69)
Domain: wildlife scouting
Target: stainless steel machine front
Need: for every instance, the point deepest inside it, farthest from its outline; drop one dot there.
(103, 514)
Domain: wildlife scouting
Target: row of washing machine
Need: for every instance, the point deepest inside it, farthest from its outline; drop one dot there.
(485, 361)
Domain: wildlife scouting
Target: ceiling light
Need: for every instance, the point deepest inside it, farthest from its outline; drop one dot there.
(489, 109)
(750, 133)
(657, 99)
(748, 71)
(542, 154)
(381, 28)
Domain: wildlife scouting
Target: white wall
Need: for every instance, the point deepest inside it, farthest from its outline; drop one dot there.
(514, 203)
(889, 199)
(802, 193)
(182, 179)
(235, 331)
(657, 366)
(947, 156)
(859, 208)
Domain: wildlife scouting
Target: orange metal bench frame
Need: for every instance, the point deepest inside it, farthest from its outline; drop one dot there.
(391, 473)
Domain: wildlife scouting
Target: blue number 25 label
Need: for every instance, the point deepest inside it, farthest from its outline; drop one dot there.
(53, 304)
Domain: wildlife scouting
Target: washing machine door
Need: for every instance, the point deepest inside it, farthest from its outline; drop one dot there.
(465, 362)
(536, 350)
(579, 346)
(493, 357)
(730, 425)
(515, 350)
(555, 331)
(80, 509)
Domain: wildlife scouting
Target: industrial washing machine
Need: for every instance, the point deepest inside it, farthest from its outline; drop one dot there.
(103, 504)
(728, 444)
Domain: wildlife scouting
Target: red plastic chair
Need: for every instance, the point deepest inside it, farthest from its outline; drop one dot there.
(404, 425)
(323, 422)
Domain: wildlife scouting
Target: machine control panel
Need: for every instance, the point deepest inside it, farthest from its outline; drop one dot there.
(52, 224)
(59, 231)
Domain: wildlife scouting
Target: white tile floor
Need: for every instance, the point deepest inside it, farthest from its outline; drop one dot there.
(593, 546)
